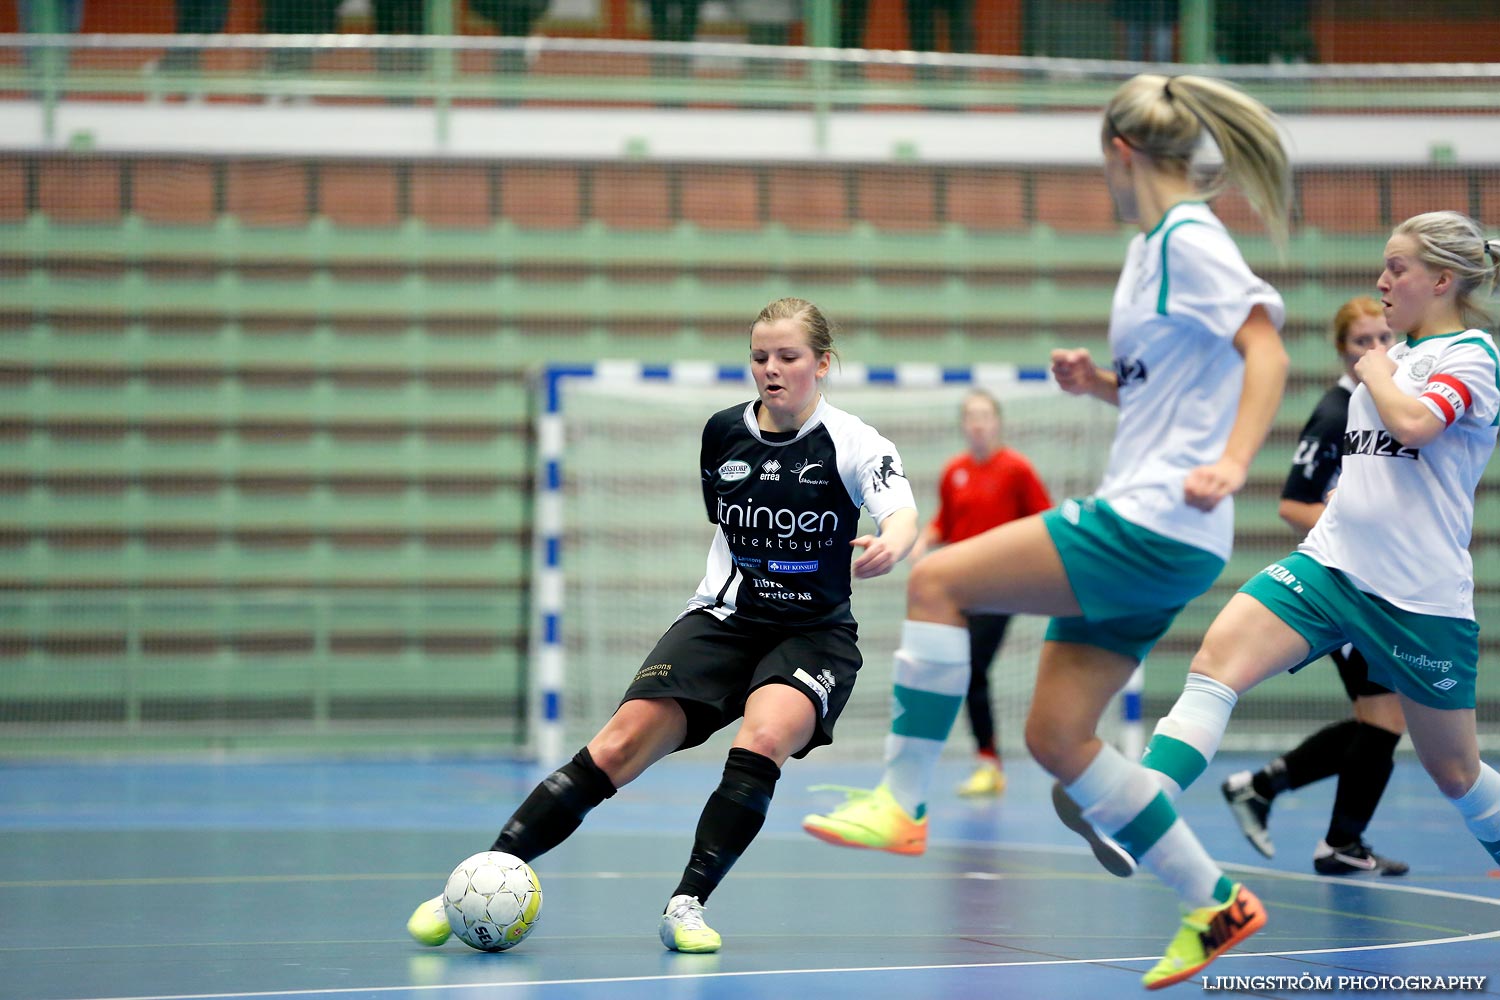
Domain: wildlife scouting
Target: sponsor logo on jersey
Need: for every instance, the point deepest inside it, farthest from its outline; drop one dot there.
(804, 472)
(821, 685)
(782, 520)
(771, 470)
(1422, 661)
(748, 562)
(1421, 367)
(1379, 444)
(734, 471)
(781, 566)
(1129, 371)
(882, 477)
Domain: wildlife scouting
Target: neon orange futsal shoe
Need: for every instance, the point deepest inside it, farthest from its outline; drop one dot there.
(871, 819)
(1206, 934)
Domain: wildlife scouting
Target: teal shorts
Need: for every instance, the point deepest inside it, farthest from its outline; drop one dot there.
(1130, 582)
(1432, 659)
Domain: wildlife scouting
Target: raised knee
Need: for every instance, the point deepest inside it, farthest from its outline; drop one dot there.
(761, 740)
(1209, 661)
(1045, 744)
(926, 592)
(1453, 779)
(631, 740)
(1453, 773)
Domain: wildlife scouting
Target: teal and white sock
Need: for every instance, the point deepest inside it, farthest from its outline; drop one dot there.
(932, 677)
(1188, 736)
(1124, 800)
(1480, 808)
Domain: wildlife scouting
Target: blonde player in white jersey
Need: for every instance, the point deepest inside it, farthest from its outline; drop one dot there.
(1387, 566)
(1197, 372)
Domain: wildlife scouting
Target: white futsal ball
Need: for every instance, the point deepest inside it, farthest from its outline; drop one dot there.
(492, 900)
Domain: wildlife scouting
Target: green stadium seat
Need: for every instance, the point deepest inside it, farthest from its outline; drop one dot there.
(452, 195)
(1233, 208)
(1341, 201)
(79, 189)
(13, 203)
(1074, 201)
(809, 198)
(1488, 184)
(271, 193)
(359, 194)
(632, 197)
(981, 198)
(174, 192)
(1418, 191)
(541, 197)
(722, 198)
(898, 198)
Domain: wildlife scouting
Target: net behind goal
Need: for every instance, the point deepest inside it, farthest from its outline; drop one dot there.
(622, 536)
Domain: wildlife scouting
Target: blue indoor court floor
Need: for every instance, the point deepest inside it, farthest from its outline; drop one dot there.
(293, 878)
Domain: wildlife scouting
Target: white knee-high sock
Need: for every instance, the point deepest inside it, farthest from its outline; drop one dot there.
(1188, 736)
(1480, 808)
(1124, 800)
(932, 677)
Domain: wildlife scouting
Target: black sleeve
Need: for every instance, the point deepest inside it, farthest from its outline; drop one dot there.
(706, 468)
(1320, 449)
(717, 434)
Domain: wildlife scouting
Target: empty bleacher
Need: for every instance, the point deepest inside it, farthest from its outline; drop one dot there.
(265, 438)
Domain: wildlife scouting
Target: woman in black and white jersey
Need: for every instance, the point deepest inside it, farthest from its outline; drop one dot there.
(768, 635)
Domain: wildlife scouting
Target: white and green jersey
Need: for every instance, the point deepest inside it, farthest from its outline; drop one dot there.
(1184, 293)
(1399, 523)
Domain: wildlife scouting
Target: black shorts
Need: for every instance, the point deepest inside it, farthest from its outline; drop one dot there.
(1355, 673)
(711, 666)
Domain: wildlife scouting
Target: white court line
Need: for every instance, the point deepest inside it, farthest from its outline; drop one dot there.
(1386, 884)
(785, 972)
(1030, 963)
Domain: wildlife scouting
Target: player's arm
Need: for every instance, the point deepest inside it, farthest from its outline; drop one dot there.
(1075, 372)
(929, 539)
(898, 532)
(1266, 365)
(707, 469)
(1300, 515)
(1315, 463)
(936, 531)
(1409, 419)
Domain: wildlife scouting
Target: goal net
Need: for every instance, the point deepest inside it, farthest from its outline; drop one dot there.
(622, 535)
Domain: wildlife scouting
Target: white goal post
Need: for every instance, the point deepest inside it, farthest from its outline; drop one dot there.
(621, 537)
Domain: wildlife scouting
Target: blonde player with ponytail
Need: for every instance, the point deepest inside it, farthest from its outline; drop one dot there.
(1197, 371)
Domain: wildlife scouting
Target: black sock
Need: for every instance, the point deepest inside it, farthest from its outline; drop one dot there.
(1270, 780)
(1319, 756)
(554, 808)
(731, 818)
(1367, 769)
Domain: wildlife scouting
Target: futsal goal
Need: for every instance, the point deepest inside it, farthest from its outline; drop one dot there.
(622, 536)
